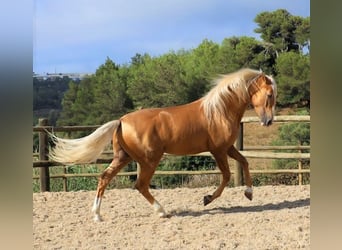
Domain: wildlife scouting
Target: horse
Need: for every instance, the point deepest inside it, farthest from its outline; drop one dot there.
(209, 124)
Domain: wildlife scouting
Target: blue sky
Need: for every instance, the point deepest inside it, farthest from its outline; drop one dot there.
(78, 35)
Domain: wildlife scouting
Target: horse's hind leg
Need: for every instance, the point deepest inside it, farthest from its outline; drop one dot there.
(120, 160)
(235, 154)
(222, 163)
(142, 184)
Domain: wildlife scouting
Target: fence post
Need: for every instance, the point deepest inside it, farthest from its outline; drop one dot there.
(65, 180)
(300, 175)
(238, 174)
(43, 156)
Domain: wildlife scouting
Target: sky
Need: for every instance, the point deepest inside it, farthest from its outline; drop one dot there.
(77, 36)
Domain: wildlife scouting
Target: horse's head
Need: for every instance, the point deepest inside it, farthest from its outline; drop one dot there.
(263, 93)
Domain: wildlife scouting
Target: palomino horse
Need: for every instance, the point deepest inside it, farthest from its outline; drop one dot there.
(207, 124)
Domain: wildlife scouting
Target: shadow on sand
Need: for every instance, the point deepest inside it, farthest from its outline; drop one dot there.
(240, 209)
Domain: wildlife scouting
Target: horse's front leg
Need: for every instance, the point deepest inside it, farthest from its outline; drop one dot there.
(235, 154)
(222, 163)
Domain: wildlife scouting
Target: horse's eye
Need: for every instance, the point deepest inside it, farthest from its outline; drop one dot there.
(269, 95)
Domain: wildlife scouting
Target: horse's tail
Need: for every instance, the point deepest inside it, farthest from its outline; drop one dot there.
(86, 149)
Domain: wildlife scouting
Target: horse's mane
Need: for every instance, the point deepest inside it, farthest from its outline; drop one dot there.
(228, 88)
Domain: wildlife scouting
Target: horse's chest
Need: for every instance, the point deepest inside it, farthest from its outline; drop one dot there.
(226, 135)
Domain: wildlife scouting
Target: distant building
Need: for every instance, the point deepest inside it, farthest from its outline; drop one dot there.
(74, 76)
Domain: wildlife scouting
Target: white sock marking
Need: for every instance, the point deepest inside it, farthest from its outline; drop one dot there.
(249, 190)
(159, 209)
(96, 209)
(97, 205)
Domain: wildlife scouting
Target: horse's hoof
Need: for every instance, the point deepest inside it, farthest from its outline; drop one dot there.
(249, 195)
(207, 199)
(165, 216)
(162, 215)
(98, 218)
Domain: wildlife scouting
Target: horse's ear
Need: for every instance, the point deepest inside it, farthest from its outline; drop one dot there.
(268, 80)
(262, 76)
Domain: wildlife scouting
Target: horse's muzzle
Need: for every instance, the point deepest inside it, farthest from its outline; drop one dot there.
(266, 121)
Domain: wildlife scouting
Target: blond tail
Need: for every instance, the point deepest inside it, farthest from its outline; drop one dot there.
(83, 150)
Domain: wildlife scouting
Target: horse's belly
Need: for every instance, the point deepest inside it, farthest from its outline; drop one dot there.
(186, 147)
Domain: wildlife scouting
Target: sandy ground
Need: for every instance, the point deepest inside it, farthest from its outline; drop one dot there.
(277, 218)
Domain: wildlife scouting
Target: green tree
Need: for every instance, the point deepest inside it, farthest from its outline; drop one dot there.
(141, 82)
(77, 105)
(226, 55)
(240, 52)
(204, 62)
(97, 99)
(302, 33)
(109, 93)
(69, 99)
(282, 30)
(201, 65)
(157, 82)
(293, 79)
(290, 135)
(82, 106)
(250, 53)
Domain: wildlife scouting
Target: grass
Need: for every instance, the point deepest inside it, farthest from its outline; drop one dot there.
(79, 183)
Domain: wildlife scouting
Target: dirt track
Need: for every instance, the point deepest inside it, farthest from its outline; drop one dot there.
(277, 218)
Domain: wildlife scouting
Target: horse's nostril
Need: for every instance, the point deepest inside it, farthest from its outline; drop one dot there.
(269, 122)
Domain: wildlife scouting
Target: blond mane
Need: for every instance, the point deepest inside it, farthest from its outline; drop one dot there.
(228, 88)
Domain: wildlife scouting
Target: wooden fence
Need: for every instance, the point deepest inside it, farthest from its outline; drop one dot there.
(249, 152)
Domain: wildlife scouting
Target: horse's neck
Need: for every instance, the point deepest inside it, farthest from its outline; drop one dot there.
(237, 112)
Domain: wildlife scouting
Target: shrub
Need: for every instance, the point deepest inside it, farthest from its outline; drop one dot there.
(292, 134)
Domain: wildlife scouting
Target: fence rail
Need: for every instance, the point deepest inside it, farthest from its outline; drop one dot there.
(250, 152)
